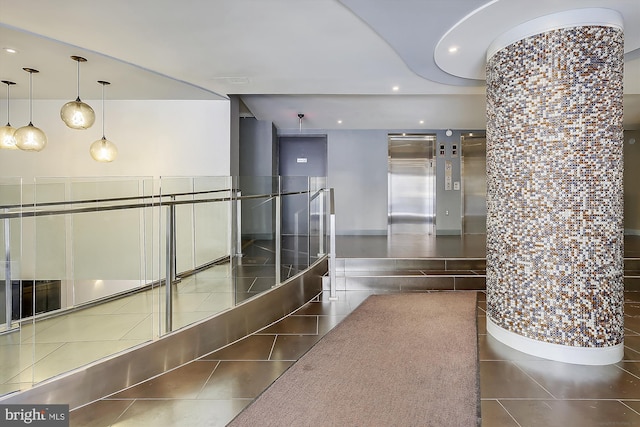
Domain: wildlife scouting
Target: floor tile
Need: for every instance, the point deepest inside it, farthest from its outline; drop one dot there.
(99, 414)
(632, 296)
(77, 328)
(294, 325)
(196, 413)
(482, 324)
(253, 347)
(490, 348)
(186, 318)
(184, 382)
(326, 323)
(201, 284)
(10, 387)
(202, 395)
(74, 354)
(504, 380)
(633, 342)
(242, 379)
(292, 347)
(262, 284)
(571, 413)
(628, 332)
(568, 381)
(631, 367)
(633, 404)
(630, 354)
(17, 358)
(494, 415)
(632, 309)
(632, 323)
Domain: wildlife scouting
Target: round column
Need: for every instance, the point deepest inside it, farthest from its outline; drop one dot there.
(554, 187)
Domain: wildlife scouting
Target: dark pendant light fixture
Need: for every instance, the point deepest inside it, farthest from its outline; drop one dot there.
(29, 137)
(103, 150)
(7, 132)
(77, 114)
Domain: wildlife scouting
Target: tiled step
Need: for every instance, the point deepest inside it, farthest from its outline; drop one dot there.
(409, 274)
(632, 274)
(402, 274)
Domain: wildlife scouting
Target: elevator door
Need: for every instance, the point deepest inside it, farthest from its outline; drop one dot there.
(412, 191)
(474, 173)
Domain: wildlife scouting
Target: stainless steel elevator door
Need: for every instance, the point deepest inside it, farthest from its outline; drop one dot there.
(474, 179)
(412, 191)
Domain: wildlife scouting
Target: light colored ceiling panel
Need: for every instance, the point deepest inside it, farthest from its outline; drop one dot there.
(333, 59)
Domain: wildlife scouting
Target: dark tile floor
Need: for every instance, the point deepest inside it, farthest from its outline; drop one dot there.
(516, 389)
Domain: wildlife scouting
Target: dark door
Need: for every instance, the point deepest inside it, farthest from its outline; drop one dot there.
(299, 158)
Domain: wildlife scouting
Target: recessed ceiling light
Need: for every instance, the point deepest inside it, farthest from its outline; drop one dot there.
(395, 88)
(421, 122)
(9, 50)
(453, 49)
(339, 122)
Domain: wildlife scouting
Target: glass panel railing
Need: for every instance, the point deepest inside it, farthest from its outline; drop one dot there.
(15, 356)
(201, 211)
(296, 201)
(255, 264)
(318, 222)
(91, 249)
(89, 259)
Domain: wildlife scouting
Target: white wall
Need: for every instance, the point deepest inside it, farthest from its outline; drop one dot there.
(357, 170)
(154, 138)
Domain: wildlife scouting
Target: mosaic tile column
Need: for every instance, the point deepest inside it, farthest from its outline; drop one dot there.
(554, 191)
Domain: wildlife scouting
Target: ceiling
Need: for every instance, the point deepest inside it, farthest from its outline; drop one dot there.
(337, 62)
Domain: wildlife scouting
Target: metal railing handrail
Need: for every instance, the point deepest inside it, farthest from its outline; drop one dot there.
(112, 199)
(171, 204)
(36, 212)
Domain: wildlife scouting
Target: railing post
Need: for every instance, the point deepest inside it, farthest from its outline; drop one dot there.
(278, 200)
(170, 265)
(238, 224)
(321, 219)
(7, 272)
(308, 222)
(296, 240)
(332, 248)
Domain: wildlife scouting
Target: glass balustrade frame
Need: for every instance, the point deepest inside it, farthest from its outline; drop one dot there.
(97, 266)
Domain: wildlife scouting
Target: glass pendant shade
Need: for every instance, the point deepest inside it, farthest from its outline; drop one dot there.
(29, 137)
(7, 137)
(7, 132)
(103, 150)
(77, 114)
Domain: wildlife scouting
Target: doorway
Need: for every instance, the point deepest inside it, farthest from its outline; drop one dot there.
(412, 184)
(299, 159)
(474, 183)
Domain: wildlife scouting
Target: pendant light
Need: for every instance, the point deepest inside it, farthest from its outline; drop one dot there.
(76, 114)
(7, 132)
(29, 137)
(103, 150)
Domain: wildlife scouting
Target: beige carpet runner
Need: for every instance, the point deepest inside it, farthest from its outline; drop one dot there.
(397, 360)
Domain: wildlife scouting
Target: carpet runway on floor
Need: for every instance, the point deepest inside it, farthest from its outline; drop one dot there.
(397, 360)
